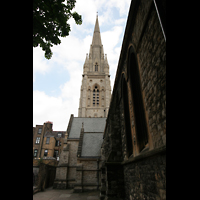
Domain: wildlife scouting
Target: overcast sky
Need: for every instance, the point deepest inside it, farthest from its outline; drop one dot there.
(57, 82)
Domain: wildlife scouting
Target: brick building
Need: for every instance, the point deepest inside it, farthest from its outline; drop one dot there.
(134, 142)
(46, 142)
(47, 146)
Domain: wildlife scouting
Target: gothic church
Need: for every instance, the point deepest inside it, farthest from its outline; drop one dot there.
(80, 160)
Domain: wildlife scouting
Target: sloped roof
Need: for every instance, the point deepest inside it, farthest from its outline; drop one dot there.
(89, 124)
(92, 144)
(54, 133)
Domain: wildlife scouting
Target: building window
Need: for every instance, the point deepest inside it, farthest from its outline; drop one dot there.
(47, 141)
(39, 130)
(57, 143)
(35, 152)
(96, 96)
(45, 152)
(37, 140)
(96, 67)
(138, 104)
(55, 154)
(127, 117)
(59, 134)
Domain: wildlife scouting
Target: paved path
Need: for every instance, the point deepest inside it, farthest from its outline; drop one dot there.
(51, 194)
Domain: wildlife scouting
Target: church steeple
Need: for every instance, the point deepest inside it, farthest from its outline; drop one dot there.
(95, 89)
(96, 35)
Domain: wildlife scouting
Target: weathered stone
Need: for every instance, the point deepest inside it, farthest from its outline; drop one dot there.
(143, 168)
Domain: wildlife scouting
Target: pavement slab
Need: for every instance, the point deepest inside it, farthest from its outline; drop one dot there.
(52, 194)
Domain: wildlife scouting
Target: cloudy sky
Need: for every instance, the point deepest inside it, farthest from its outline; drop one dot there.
(57, 82)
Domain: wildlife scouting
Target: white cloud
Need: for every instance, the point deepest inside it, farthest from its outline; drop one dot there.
(58, 109)
(110, 40)
(119, 4)
(120, 21)
(39, 63)
(47, 108)
(71, 54)
(87, 9)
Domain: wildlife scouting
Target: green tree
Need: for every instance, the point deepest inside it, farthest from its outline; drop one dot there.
(50, 22)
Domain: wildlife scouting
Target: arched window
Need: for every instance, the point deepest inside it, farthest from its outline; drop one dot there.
(88, 96)
(138, 105)
(96, 96)
(127, 117)
(96, 67)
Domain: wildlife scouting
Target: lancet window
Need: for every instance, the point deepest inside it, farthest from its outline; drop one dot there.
(96, 96)
(96, 67)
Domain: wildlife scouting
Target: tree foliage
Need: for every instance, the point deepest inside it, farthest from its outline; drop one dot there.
(50, 22)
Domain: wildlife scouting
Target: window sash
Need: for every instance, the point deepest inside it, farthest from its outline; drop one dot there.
(47, 140)
(39, 131)
(57, 143)
(35, 153)
(37, 140)
(45, 152)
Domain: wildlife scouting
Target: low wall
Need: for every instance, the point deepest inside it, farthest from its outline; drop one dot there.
(46, 160)
(46, 176)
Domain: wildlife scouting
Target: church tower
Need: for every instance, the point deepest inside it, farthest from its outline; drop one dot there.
(95, 89)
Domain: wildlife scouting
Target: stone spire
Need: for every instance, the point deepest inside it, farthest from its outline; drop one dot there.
(96, 35)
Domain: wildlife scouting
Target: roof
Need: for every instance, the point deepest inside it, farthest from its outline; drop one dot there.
(54, 133)
(89, 124)
(92, 144)
(48, 122)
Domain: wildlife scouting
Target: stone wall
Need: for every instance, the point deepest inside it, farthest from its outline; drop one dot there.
(152, 59)
(132, 157)
(60, 181)
(87, 175)
(73, 151)
(146, 178)
(71, 175)
(46, 160)
(46, 176)
(35, 173)
(37, 169)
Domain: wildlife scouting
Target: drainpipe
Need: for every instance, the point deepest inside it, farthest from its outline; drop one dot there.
(97, 174)
(159, 7)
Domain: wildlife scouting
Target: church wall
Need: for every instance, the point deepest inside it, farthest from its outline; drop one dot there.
(71, 174)
(104, 98)
(89, 177)
(146, 178)
(144, 169)
(71, 177)
(73, 152)
(95, 112)
(90, 174)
